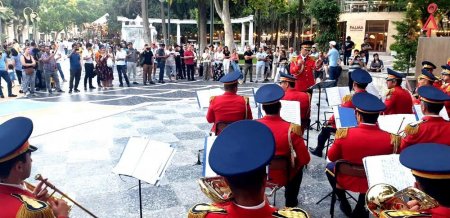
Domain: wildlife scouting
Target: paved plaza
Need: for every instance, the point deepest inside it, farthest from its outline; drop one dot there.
(81, 137)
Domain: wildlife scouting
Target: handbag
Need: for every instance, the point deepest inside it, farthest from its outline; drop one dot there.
(28, 71)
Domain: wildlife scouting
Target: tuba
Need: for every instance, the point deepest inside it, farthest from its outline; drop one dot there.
(383, 197)
(62, 196)
(216, 189)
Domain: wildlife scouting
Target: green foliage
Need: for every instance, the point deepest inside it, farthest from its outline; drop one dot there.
(327, 15)
(421, 6)
(406, 40)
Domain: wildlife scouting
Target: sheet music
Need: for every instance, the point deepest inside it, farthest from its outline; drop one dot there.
(290, 111)
(373, 90)
(144, 159)
(335, 95)
(391, 123)
(419, 114)
(344, 117)
(388, 169)
(203, 96)
(207, 171)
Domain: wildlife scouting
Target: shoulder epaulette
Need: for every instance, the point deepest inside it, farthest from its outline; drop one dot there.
(295, 128)
(448, 89)
(413, 128)
(201, 210)
(246, 99)
(293, 212)
(33, 208)
(347, 98)
(403, 214)
(211, 98)
(341, 133)
(390, 91)
(395, 142)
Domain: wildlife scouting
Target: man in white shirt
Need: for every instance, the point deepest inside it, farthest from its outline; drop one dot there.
(261, 63)
(121, 66)
(88, 58)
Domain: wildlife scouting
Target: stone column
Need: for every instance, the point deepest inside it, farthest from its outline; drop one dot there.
(178, 34)
(250, 33)
(243, 36)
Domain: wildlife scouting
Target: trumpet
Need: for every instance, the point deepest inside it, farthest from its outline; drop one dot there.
(383, 197)
(56, 190)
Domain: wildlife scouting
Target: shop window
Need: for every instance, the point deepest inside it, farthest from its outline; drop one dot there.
(376, 32)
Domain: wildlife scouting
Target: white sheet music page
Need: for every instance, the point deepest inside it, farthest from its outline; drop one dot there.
(290, 111)
(391, 123)
(388, 169)
(208, 172)
(334, 97)
(337, 117)
(203, 96)
(343, 91)
(131, 156)
(373, 90)
(153, 161)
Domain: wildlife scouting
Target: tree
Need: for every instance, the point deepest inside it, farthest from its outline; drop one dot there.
(224, 14)
(406, 40)
(163, 16)
(6, 14)
(202, 24)
(144, 15)
(327, 15)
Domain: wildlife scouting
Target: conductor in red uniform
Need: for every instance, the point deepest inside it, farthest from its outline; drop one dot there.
(302, 67)
(229, 107)
(353, 144)
(430, 165)
(287, 82)
(242, 160)
(398, 100)
(15, 166)
(288, 142)
(432, 128)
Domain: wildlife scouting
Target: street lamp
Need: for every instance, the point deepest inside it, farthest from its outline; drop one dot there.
(35, 18)
(25, 14)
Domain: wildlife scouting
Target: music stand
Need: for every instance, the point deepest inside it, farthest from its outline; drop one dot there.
(320, 86)
(144, 160)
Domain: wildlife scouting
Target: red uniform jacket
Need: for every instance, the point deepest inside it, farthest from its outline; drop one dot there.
(446, 89)
(10, 202)
(234, 211)
(432, 129)
(398, 101)
(305, 77)
(440, 212)
(346, 102)
(355, 144)
(280, 129)
(228, 107)
(303, 98)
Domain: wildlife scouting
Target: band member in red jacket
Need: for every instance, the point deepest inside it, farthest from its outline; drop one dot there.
(302, 67)
(229, 107)
(398, 100)
(288, 143)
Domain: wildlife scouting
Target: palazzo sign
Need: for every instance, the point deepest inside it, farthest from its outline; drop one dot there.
(356, 28)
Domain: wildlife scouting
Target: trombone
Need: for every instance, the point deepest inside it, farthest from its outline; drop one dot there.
(56, 190)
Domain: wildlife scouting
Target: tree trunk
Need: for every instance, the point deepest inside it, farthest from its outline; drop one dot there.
(144, 15)
(277, 31)
(164, 32)
(202, 24)
(224, 14)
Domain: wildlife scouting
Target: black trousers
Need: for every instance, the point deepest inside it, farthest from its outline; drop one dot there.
(324, 135)
(292, 189)
(75, 76)
(183, 69)
(190, 71)
(89, 73)
(40, 80)
(350, 81)
(19, 76)
(122, 71)
(179, 71)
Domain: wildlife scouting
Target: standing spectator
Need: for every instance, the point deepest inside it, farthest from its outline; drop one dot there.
(105, 73)
(50, 69)
(268, 68)
(218, 64)
(40, 79)
(333, 62)
(348, 47)
(260, 64)
(183, 65)
(5, 76)
(147, 65)
(189, 61)
(376, 65)
(88, 58)
(248, 63)
(365, 47)
(170, 67)
(60, 57)
(75, 68)
(292, 54)
(206, 62)
(319, 68)
(121, 54)
(17, 65)
(178, 62)
(314, 53)
(155, 62)
(234, 60)
(226, 60)
(356, 62)
(132, 57)
(161, 59)
(275, 62)
(29, 75)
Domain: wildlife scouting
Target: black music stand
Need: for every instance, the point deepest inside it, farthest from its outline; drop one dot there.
(320, 86)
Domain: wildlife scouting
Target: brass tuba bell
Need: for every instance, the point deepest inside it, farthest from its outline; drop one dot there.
(381, 197)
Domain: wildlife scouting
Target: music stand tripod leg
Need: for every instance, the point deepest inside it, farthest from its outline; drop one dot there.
(140, 199)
